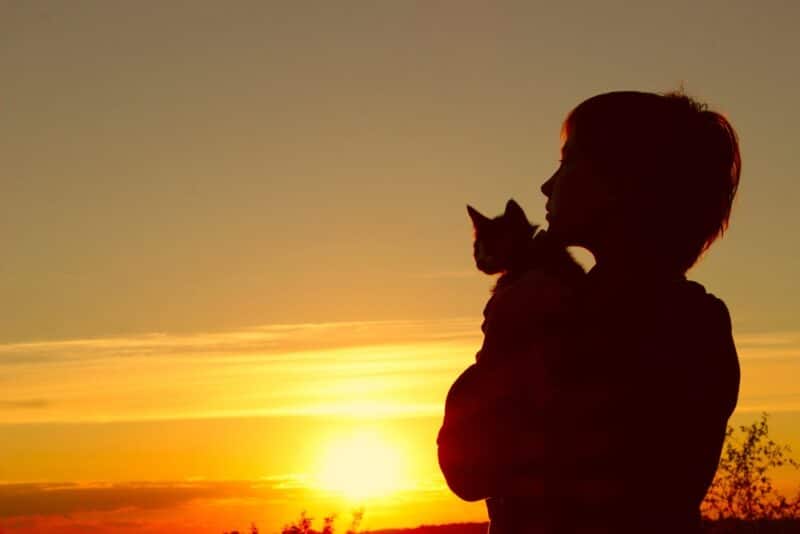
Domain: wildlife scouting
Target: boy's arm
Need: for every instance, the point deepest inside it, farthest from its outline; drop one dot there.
(500, 437)
(481, 443)
(491, 441)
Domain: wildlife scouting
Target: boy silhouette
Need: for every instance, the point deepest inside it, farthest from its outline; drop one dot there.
(641, 365)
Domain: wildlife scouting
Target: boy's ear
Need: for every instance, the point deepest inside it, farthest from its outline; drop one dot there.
(477, 218)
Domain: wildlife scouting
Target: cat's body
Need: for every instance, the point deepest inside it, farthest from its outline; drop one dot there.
(544, 273)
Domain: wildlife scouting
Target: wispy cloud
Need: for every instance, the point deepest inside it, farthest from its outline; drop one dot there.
(471, 273)
(770, 361)
(188, 507)
(769, 345)
(262, 340)
(74, 498)
(24, 404)
(381, 367)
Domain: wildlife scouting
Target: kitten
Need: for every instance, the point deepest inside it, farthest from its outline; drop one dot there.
(511, 246)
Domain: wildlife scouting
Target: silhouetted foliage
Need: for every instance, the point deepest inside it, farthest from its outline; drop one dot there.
(742, 487)
(253, 530)
(304, 524)
(358, 515)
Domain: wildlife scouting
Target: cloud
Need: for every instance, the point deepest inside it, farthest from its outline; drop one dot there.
(376, 367)
(25, 404)
(180, 507)
(264, 341)
(770, 361)
(768, 345)
(471, 273)
(42, 499)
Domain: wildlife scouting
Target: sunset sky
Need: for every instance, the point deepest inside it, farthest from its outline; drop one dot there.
(235, 244)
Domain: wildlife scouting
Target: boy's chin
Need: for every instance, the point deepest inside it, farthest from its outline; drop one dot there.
(564, 236)
(556, 234)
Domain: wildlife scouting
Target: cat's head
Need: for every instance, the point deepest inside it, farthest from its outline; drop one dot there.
(498, 240)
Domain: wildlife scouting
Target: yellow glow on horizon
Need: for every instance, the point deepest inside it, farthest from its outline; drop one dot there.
(362, 465)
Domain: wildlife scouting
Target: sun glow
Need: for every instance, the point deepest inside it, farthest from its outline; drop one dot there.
(362, 465)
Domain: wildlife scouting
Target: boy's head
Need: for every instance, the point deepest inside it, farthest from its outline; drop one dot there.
(660, 171)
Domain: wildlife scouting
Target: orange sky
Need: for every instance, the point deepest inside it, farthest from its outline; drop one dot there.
(234, 235)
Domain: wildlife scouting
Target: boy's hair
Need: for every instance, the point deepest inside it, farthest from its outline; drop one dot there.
(677, 163)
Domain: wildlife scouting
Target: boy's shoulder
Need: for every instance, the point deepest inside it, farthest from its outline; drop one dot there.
(695, 299)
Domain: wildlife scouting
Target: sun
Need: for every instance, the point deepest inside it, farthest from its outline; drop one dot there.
(362, 465)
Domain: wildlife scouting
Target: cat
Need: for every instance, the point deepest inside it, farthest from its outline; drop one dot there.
(510, 245)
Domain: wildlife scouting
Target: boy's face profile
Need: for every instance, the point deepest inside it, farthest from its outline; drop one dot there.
(580, 205)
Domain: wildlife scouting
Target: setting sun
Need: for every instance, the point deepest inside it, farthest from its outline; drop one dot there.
(362, 465)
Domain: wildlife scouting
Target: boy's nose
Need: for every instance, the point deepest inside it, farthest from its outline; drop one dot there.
(547, 187)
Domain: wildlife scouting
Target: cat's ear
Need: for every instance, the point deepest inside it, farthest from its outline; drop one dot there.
(514, 211)
(517, 217)
(477, 218)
